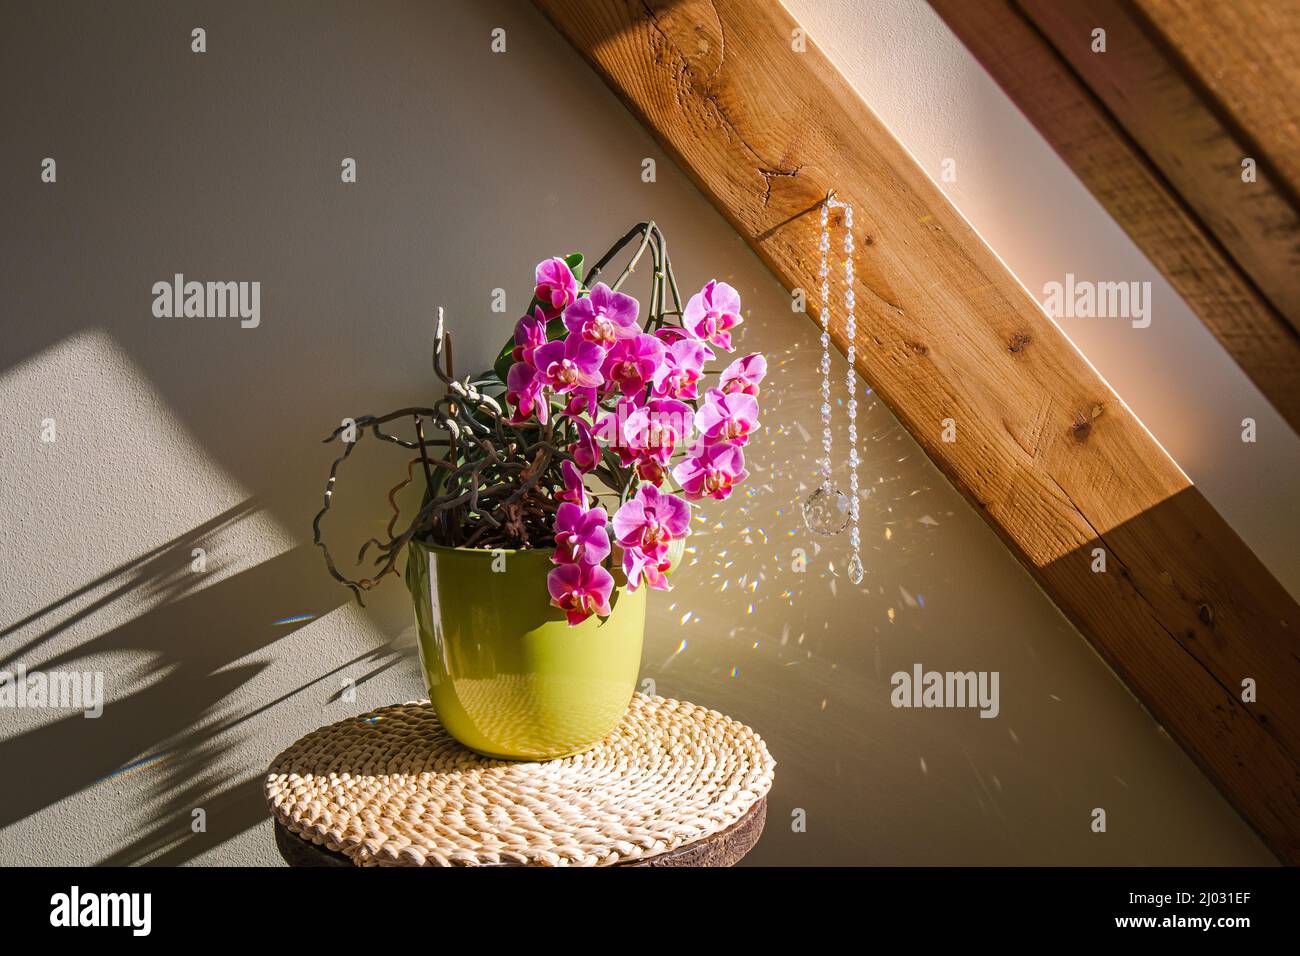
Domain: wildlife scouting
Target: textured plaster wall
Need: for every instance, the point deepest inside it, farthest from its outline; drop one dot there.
(181, 434)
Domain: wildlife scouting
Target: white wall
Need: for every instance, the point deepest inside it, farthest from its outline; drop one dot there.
(172, 435)
(1042, 222)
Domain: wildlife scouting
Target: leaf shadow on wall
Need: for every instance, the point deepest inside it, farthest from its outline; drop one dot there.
(177, 719)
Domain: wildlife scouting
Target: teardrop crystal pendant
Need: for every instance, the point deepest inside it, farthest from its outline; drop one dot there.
(826, 511)
(855, 569)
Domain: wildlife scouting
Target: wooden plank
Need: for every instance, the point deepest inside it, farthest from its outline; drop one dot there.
(1245, 54)
(1195, 144)
(1051, 457)
(1137, 196)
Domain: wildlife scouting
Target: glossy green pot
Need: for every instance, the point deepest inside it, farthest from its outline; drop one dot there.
(507, 675)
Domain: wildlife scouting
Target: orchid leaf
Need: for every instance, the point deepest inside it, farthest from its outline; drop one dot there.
(574, 261)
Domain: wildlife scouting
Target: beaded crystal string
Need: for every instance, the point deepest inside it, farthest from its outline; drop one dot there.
(828, 510)
(851, 384)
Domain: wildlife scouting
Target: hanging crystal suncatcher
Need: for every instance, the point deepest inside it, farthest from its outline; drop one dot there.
(828, 511)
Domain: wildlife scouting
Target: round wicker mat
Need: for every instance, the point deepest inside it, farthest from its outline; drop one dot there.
(392, 788)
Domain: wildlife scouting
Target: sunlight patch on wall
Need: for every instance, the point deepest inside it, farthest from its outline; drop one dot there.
(99, 473)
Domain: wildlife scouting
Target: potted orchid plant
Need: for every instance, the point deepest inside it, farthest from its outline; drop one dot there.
(559, 488)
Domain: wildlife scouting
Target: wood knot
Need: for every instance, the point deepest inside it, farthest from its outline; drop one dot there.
(919, 348)
(1017, 342)
(1206, 615)
(1080, 428)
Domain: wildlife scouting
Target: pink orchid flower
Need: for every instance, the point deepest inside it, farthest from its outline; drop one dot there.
(727, 418)
(580, 535)
(711, 313)
(585, 451)
(574, 490)
(524, 392)
(655, 429)
(649, 470)
(651, 520)
(556, 288)
(580, 590)
(530, 333)
(645, 526)
(670, 334)
(711, 472)
(679, 373)
(572, 363)
(743, 375)
(639, 566)
(631, 363)
(582, 401)
(604, 317)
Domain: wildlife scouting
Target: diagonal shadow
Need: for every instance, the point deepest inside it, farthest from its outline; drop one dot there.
(176, 719)
(161, 571)
(1185, 614)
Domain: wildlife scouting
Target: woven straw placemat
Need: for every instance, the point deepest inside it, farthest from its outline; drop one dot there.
(392, 788)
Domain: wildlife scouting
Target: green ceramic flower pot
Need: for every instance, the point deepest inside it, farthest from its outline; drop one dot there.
(507, 675)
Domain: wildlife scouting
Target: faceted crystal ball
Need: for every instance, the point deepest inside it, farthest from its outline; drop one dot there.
(826, 510)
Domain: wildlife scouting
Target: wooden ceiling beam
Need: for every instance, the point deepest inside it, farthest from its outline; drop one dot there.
(1185, 133)
(1243, 58)
(1045, 450)
(1161, 158)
